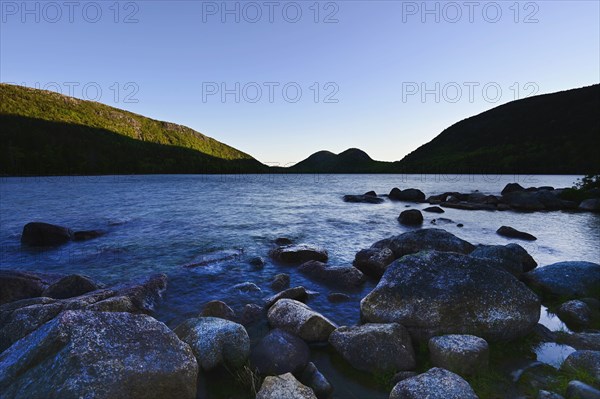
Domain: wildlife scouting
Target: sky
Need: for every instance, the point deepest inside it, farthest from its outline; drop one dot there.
(281, 80)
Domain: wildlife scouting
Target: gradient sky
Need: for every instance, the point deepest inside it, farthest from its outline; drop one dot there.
(372, 52)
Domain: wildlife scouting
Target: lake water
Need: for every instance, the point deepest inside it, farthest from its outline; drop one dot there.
(160, 223)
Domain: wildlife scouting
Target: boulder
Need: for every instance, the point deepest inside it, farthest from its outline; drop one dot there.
(371, 193)
(581, 341)
(70, 286)
(298, 254)
(579, 390)
(566, 280)
(375, 348)
(342, 276)
(82, 354)
(17, 285)
(412, 217)
(469, 206)
(434, 209)
(507, 231)
(37, 234)
(297, 318)
(312, 378)
(512, 257)
(409, 195)
(298, 293)
(281, 241)
(591, 205)
(583, 361)
(87, 235)
(422, 240)
(215, 342)
(576, 314)
(247, 287)
(511, 188)
(284, 386)
(251, 313)
(465, 355)
(373, 261)
(218, 309)
(364, 199)
(257, 262)
(523, 201)
(280, 282)
(435, 293)
(280, 352)
(437, 383)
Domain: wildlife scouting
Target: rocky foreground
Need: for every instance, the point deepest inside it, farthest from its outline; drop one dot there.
(428, 328)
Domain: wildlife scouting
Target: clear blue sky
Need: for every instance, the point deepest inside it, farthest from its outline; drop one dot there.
(374, 56)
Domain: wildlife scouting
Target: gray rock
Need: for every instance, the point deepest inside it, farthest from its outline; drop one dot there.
(373, 261)
(215, 342)
(412, 217)
(462, 354)
(297, 318)
(434, 209)
(375, 348)
(422, 240)
(284, 386)
(566, 280)
(576, 314)
(510, 232)
(342, 276)
(548, 395)
(586, 361)
(364, 199)
(312, 378)
(280, 282)
(280, 352)
(37, 234)
(81, 354)
(580, 390)
(435, 293)
(437, 383)
(70, 286)
(512, 257)
(218, 309)
(17, 285)
(298, 293)
(298, 254)
(592, 205)
(410, 195)
(251, 313)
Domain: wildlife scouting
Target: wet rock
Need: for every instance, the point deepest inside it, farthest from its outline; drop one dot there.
(580, 390)
(281, 241)
(441, 221)
(280, 282)
(591, 205)
(297, 293)
(580, 341)
(512, 257)
(373, 261)
(434, 209)
(37, 234)
(87, 235)
(412, 217)
(218, 309)
(83, 354)
(247, 287)
(257, 262)
(435, 293)
(460, 225)
(251, 313)
(284, 386)
(535, 375)
(548, 395)
(337, 297)
(511, 188)
(371, 193)
(422, 240)
(410, 195)
(297, 318)
(312, 378)
(566, 280)
(298, 253)
(342, 276)
(462, 354)
(437, 383)
(510, 232)
(280, 352)
(215, 258)
(375, 348)
(576, 314)
(523, 201)
(585, 361)
(17, 285)
(469, 206)
(364, 199)
(70, 286)
(215, 342)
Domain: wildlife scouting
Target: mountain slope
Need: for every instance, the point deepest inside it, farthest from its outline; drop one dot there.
(350, 161)
(555, 133)
(43, 132)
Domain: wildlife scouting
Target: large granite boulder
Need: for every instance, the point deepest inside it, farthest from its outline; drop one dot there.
(298, 253)
(583, 361)
(280, 352)
(437, 383)
(375, 348)
(38, 234)
(341, 276)
(297, 318)
(566, 280)
(81, 354)
(373, 261)
(512, 257)
(575, 313)
(462, 354)
(284, 386)
(435, 293)
(215, 342)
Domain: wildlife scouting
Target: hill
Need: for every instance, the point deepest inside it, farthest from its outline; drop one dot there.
(556, 133)
(46, 133)
(350, 161)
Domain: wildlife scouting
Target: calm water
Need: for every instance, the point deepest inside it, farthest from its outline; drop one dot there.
(160, 223)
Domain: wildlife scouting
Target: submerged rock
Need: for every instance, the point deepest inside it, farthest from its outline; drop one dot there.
(87, 235)
(510, 232)
(343, 276)
(337, 297)
(375, 348)
(70, 286)
(38, 234)
(462, 354)
(412, 217)
(434, 209)
(215, 342)
(364, 199)
(434, 293)
(566, 280)
(82, 354)
(280, 282)
(298, 253)
(280, 352)
(297, 318)
(437, 383)
(284, 386)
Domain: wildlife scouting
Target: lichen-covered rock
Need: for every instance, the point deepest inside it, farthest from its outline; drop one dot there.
(462, 354)
(312, 378)
(373, 261)
(341, 276)
(586, 361)
(435, 293)
(298, 253)
(566, 280)
(215, 342)
(81, 354)
(512, 257)
(375, 348)
(299, 319)
(437, 383)
(70, 286)
(218, 309)
(280, 352)
(284, 386)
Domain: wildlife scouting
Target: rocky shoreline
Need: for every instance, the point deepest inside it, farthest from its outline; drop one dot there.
(442, 318)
